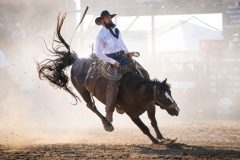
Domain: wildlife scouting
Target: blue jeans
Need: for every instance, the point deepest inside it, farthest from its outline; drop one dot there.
(120, 57)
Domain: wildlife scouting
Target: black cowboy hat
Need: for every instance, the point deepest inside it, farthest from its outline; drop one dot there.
(103, 14)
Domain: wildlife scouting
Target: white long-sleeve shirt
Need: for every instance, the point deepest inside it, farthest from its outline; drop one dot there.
(106, 43)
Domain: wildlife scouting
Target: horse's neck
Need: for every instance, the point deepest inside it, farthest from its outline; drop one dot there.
(146, 92)
(150, 91)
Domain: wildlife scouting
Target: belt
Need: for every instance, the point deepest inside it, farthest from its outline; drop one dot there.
(116, 53)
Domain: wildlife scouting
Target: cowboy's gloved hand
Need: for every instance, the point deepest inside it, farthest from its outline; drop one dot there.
(129, 55)
(117, 64)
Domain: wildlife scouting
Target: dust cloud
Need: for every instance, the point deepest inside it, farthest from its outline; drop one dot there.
(32, 111)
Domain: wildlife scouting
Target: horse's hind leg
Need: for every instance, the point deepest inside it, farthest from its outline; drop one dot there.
(151, 116)
(87, 98)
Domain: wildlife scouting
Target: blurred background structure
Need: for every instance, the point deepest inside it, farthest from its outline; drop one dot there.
(195, 44)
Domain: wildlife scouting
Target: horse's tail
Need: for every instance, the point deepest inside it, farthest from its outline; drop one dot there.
(54, 69)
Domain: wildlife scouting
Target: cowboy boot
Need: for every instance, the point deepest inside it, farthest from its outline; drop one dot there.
(111, 98)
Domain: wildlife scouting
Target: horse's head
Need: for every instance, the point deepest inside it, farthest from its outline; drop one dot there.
(163, 98)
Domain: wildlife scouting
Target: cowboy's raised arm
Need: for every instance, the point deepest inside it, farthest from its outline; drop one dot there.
(99, 51)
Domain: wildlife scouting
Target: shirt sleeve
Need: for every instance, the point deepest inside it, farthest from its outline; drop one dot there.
(99, 51)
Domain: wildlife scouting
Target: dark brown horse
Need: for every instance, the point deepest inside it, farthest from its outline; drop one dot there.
(136, 94)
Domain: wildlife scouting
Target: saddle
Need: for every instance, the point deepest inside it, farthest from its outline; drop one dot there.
(102, 69)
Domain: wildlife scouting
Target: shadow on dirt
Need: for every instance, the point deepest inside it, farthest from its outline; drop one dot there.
(184, 150)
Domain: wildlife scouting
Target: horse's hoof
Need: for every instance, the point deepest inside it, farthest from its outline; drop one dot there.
(168, 140)
(109, 128)
(120, 111)
(160, 138)
(156, 142)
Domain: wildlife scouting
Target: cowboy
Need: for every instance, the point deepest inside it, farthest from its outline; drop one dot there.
(110, 48)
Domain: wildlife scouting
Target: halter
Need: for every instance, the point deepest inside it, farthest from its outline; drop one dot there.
(155, 96)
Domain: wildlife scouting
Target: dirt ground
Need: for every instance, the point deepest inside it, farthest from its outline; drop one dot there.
(195, 140)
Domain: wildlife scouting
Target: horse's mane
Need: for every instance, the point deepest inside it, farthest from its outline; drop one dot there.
(134, 81)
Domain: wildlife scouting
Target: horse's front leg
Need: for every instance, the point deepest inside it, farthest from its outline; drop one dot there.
(144, 128)
(151, 115)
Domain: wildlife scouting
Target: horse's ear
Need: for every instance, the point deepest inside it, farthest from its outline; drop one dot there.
(165, 81)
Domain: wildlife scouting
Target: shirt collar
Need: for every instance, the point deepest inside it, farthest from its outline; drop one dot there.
(104, 28)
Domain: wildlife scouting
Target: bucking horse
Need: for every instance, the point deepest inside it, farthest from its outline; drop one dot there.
(137, 93)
